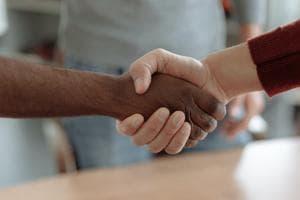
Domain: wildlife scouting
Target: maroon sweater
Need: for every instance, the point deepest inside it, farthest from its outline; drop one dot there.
(277, 57)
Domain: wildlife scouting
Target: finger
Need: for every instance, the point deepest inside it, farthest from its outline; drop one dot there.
(152, 127)
(141, 76)
(198, 134)
(160, 60)
(179, 140)
(210, 105)
(206, 122)
(130, 125)
(174, 123)
(142, 69)
(184, 67)
(191, 143)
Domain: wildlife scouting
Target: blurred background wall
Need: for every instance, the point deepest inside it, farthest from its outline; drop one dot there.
(281, 12)
(25, 153)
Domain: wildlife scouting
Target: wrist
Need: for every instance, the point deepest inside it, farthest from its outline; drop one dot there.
(103, 95)
(123, 100)
(233, 72)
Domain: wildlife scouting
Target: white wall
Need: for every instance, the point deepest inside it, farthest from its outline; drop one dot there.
(24, 154)
(282, 11)
(3, 17)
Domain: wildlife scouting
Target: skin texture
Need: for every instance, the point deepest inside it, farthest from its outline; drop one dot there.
(29, 90)
(251, 104)
(200, 109)
(238, 71)
(165, 62)
(216, 74)
(195, 72)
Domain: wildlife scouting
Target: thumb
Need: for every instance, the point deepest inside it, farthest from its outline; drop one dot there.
(142, 69)
(141, 76)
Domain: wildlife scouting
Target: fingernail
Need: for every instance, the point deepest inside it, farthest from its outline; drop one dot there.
(163, 114)
(139, 83)
(178, 118)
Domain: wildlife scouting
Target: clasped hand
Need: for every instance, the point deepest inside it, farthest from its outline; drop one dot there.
(194, 112)
(187, 112)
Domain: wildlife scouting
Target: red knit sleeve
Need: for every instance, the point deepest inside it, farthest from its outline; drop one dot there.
(277, 57)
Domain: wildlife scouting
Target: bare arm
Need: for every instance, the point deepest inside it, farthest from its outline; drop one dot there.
(271, 64)
(29, 90)
(233, 72)
(32, 90)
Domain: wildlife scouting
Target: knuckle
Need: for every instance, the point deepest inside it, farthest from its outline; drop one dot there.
(210, 124)
(162, 55)
(220, 111)
(159, 51)
(217, 110)
(168, 134)
(207, 123)
(170, 130)
(199, 135)
(151, 130)
(143, 138)
(134, 67)
(195, 132)
(202, 136)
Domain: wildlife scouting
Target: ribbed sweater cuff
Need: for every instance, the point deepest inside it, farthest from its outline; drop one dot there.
(277, 57)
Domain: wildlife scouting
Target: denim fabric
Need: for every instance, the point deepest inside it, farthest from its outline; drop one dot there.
(117, 32)
(95, 140)
(217, 140)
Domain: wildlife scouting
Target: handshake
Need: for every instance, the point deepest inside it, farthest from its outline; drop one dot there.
(185, 115)
(181, 102)
(190, 107)
(166, 101)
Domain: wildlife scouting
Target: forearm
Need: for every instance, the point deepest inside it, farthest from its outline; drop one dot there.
(277, 57)
(234, 71)
(31, 90)
(269, 62)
